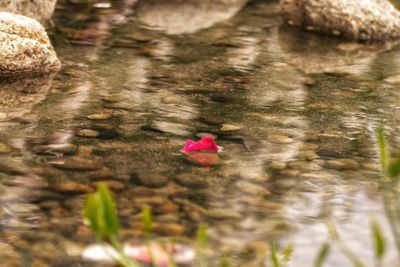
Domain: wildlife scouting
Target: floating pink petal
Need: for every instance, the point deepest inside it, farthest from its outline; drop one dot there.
(207, 143)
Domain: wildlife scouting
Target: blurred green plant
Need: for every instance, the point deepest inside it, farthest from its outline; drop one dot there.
(224, 262)
(379, 240)
(201, 240)
(147, 219)
(389, 187)
(100, 214)
(395, 3)
(281, 258)
(322, 255)
(390, 169)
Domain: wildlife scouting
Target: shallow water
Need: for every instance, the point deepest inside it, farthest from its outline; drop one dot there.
(296, 114)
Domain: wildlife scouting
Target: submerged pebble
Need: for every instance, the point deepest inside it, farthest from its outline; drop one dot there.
(222, 214)
(5, 148)
(12, 166)
(100, 116)
(277, 165)
(171, 99)
(252, 188)
(394, 79)
(113, 98)
(54, 150)
(343, 164)
(309, 81)
(72, 187)
(221, 98)
(108, 134)
(290, 173)
(87, 133)
(77, 164)
(191, 180)
(372, 166)
(230, 127)
(150, 180)
(307, 155)
(304, 166)
(279, 139)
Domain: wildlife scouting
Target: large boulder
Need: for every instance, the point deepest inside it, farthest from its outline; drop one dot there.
(41, 10)
(25, 48)
(361, 20)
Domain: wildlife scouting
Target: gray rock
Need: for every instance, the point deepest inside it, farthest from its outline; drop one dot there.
(41, 10)
(351, 19)
(25, 48)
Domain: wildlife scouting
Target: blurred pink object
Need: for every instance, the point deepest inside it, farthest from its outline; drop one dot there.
(207, 143)
(161, 255)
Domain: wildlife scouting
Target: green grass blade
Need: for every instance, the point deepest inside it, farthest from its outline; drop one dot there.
(147, 218)
(332, 231)
(122, 259)
(322, 255)
(394, 169)
(274, 256)
(382, 149)
(379, 240)
(90, 214)
(100, 213)
(287, 252)
(224, 262)
(110, 217)
(201, 236)
(351, 256)
(201, 239)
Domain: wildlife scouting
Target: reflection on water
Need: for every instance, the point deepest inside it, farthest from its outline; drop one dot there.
(186, 17)
(294, 112)
(18, 97)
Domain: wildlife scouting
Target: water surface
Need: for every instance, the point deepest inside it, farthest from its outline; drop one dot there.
(296, 114)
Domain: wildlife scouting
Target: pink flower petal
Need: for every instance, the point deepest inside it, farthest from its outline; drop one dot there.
(207, 143)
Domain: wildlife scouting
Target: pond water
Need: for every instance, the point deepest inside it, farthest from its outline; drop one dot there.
(295, 113)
